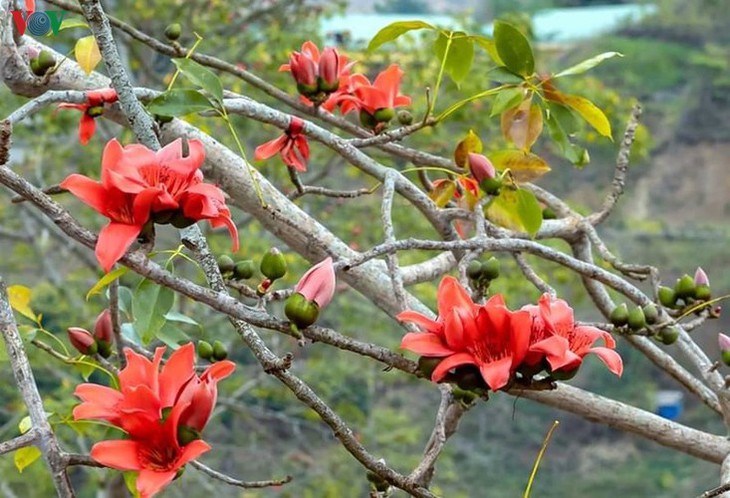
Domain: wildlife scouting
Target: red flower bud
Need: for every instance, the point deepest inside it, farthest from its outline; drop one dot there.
(701, 277)
(329, 70)
(481, 168)
(303, 69)
(103, 327)
(318, 284)
(82, 340)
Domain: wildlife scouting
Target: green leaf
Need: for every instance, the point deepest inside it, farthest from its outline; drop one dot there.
(488, 45)
(201, 76)
(174, 316)
(150, 304)
(588, 64)
(28, 332)
(573, 153)
(456, 106)
(457, 62)
(85, 369)
(590, 113)
(395, 30)
(125, 300)
(504, 76)
(172, 336)
(179, 102)
(25, 456)
(70, 23)
(130, 334)
(514, 49)
(130, 480)
(106, 280)
(517, 210)
(507, 99)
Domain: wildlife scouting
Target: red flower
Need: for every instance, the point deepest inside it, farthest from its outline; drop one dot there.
(318, 75)
(556, 338)
(383, 92)
(489, 336)
(137, 182)
(155, 407)
(93, 108)
(292, 146)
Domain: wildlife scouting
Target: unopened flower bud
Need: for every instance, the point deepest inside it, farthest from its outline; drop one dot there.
(685, 287)
(44, 62)
(367, 119)
(724, 343)
(669, 335)
(636, 319)
(301, 311)
(481, 168)
(82, 340)
(667, 297)
(620, 315)
(303, 70)
(173, 31)
(384, 115)
(329, 70)
(702, 285)
(548, 214)
(205, 350)
(491, 268)
(651, 313)
(103, 330)
(701, 277)
(226, 264)
(405, 118)
(273, 264)
(318, 283)
(474, 270)
(219, 351)
(244, 270)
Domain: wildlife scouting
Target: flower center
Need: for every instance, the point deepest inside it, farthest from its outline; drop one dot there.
(158, 458)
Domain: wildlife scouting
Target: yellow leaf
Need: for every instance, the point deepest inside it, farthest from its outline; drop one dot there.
(590, 112)
(522, 125)
(524, 166)
(470, 143)
(443, 191)
(106, 280)
(87, 53)
(19, 297)
(25, 456)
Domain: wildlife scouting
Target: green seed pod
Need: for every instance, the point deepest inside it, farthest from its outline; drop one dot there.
(367, 119)
(703, 292)
(667, 297)
(205, 350)
(685, 287)
(490, 268)
(548, 214)
(244, 269)
(637, 320)
(173, 31)
(273, 264)
(300, 311)
(46, 61)
(219, 351)
(474, 270)
(384, 115)
(226, 264)
(405, 118)
(669, 335)
(620, 315)
(651, 313)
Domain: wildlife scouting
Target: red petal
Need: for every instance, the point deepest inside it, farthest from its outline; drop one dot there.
(117, 454)
(425, 344)
(453, 361)
(452, 295)
(425, 323)
(389, 82)
(192, 451)
(87, 126)
(270, 148)
(114, 240)
(151, 482)
(521, 325)
(219, 370)
(178, 370)
(611, 358)
(171, 156)
(556, 349)
(496, 373)
(87, 190)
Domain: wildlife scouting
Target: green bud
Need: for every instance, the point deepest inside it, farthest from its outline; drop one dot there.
(244, 269)
(104, 348)
(667, 297)
(426, 366)
(273, 264)
(548, 214)
(669, 335)
(300, 311)
(490, 268)
(637, 320)
(324, 87)
(226, 264)
(219, 351)
(703, 292)
(35, 67)
(651, 313)
(46, 60)
(620, 315)
(205, 350)
(685, 287)
(173, 31)
(384, 115)
(474, 270)
(308, 91)
(725, 356)
(95, 111)
(405, 118)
